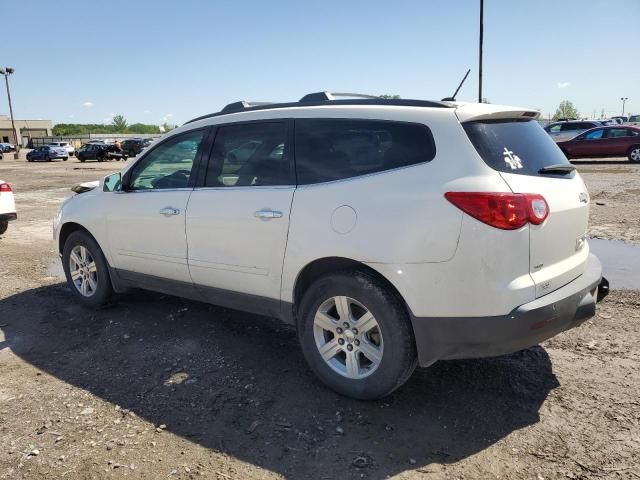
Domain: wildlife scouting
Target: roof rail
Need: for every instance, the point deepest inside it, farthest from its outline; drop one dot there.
(328, 96)
(242, 105)
(323, 99)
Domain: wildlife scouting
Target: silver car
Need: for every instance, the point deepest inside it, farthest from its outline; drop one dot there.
(560, 131)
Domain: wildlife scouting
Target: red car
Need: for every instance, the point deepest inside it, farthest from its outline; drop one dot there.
(610, 141)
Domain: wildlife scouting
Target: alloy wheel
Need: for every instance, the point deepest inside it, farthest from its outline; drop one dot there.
(635, 155)
(348, 337)
(83, 270)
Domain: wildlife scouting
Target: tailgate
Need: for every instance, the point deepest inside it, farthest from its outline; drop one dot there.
(520, 150)
(558, 249)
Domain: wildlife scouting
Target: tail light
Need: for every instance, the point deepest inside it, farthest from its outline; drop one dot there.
(507, 211)
(5, 187)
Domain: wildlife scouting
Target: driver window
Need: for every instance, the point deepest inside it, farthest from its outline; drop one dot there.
(169, 164)
(253, 154)
(594, 135)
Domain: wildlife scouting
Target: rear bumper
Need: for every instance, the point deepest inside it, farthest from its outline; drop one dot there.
(527, 325)
(7, 217)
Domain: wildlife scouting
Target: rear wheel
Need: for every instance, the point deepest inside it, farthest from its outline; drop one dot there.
(356, 335)
(86, 269)
(634, 153)
(4, 224)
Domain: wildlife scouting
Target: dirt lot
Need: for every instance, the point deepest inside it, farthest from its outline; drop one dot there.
(158, 387)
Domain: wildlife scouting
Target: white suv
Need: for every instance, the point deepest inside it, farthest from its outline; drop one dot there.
(68, 146)
(391, 233)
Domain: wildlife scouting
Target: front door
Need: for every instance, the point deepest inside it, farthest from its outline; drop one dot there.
(589, 144)
(146, 221)
(237, 223)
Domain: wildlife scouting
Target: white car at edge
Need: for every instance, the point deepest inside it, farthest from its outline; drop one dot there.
(7, 206)
(391, 233)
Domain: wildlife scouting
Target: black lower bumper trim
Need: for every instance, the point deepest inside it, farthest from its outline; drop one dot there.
(440, 338)
(7, 217)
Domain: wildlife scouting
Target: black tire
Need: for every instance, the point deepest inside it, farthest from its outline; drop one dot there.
(635, 150)
(48, 159)
(64, 159)
(4, 224)
(104, 290)
(399, 358)
(82, 160)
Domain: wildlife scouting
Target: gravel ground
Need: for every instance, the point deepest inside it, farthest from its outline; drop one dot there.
(159, 387)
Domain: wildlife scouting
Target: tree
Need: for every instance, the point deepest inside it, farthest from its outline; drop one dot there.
(566, 110)
(119, 123)
(391, 97)
(142, 128)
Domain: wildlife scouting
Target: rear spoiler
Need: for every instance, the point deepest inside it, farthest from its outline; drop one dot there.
(470, 112)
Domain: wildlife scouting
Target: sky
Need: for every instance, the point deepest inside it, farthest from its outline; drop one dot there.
(80, 61)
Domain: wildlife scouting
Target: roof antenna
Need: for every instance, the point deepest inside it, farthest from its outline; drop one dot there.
(453, 98)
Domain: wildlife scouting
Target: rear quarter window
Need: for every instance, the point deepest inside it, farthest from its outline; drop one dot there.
(336, 149)
(515, 146)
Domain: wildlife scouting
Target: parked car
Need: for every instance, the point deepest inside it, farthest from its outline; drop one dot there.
(47, 153)
(132, 147)
(610, 141)
(620, 118)
(564, 130)
(7, 147)
(390, 236)
(100, 152)
(68, 146)
(7, 206)
(634, 120)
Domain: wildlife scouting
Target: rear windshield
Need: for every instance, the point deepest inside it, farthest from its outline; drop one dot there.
(514, 146)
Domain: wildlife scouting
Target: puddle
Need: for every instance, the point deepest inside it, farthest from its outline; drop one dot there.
(620, 262)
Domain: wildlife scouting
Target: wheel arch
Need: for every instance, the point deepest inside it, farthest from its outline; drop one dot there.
(631, 148)
(67, 229)
(322, 266)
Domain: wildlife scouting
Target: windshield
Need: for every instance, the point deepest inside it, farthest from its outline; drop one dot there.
(514, 146)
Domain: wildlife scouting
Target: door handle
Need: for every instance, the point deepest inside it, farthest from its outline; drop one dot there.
(267, 214)
(168, 211)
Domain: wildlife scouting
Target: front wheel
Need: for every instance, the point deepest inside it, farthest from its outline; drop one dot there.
(4, 224)
(634, 154)
(356, 335)
(86, 269)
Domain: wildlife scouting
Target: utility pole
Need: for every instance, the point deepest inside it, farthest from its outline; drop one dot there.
(480, 53)
(6, 72)
(624, 100)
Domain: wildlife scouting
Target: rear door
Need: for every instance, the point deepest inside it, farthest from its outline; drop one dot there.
(618, 141)
(519, 150)
(238, 220)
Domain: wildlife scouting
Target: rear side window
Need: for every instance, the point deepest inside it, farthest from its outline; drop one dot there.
(335, 149)
(618, 132)
(514, 146)
(570, 127)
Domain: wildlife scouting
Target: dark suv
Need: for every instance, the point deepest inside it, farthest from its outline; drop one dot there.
(134, 146)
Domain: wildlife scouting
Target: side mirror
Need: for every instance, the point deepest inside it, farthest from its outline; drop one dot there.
(112, 183)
